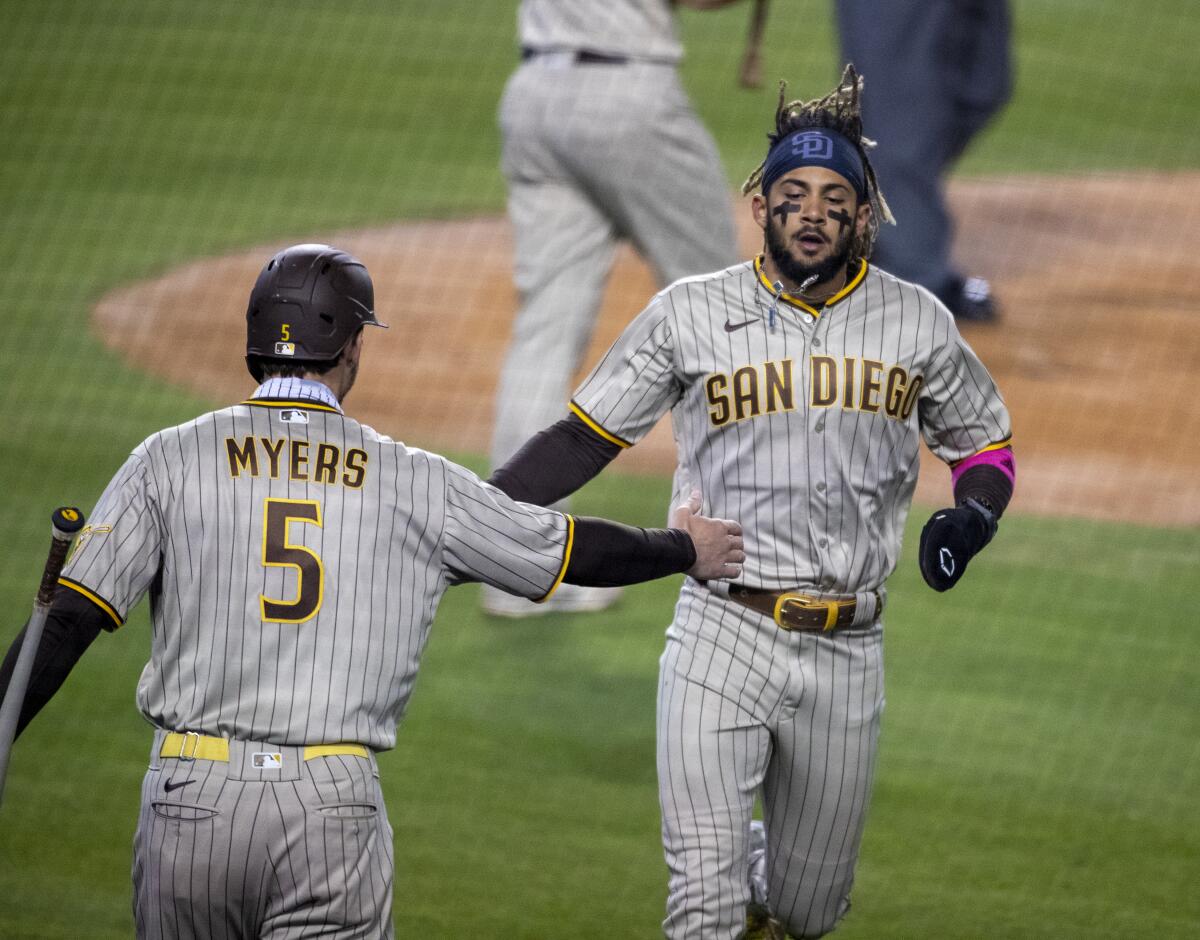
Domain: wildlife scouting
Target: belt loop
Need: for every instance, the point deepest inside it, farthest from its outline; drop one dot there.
(195, 737)
(831, 615)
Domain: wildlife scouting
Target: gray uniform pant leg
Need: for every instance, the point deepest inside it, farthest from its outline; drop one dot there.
(242, 853)
(593, 153)
(745, 706)
(935, 73)
(818, 782)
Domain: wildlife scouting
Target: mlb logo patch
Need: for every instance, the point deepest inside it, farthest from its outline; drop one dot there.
(292, 416)
(285, 349)
(267, 760)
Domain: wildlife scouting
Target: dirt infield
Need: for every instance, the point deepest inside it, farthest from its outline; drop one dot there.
(1098, 353)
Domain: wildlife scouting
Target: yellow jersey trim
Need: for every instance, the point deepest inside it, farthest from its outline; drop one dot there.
(607, 435)
(94, 598)
(562, 572)
(800, 304)
(307, 404)
(1007, 442)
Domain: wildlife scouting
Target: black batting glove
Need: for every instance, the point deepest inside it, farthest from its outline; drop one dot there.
(951, 538)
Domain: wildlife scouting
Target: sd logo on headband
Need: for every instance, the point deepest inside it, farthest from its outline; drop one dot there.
(812, 145)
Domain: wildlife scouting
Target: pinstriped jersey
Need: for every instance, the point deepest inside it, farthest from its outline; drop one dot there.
(801, 423)
(294, 560)
(639, 29)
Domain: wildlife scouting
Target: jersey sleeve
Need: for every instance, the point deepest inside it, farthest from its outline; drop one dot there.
(119, 552)
(635, 383)
(489, 537)
(960, 408)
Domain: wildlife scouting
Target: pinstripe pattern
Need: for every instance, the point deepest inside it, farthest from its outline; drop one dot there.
(807, 431)
(595, 154)
(224, 857)
(294, 560)
(643, 29)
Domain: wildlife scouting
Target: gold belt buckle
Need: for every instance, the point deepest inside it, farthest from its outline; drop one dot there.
(804, 602)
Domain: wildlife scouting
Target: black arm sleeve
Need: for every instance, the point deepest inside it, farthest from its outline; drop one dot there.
(608, 554)
(555, 463)
(71, 625)
(989, 485)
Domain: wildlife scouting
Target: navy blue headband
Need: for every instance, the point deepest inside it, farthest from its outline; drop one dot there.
(818, 146)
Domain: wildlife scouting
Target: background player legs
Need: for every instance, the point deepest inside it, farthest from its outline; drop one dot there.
(674, 203)
(818, 782)
(564, 251)
(593, 153)
(935, 73)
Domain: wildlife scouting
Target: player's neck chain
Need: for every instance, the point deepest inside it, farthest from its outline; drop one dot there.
(833, 293)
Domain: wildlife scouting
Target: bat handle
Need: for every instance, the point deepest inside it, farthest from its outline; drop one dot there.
(65, 522)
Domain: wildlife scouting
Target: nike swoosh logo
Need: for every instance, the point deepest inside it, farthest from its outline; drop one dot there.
(169, 786)
(732, 327)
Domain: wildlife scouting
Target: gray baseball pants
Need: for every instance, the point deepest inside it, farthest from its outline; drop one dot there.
(745, 708)
(237, 850)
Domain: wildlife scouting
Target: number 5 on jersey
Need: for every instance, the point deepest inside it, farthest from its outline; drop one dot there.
(278, 552)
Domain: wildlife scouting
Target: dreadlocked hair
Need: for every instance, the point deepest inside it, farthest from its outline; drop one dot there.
(841, 111)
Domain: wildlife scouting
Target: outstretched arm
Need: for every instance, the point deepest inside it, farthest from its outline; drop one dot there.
(71, 626)
(555, 463)
(609, 554)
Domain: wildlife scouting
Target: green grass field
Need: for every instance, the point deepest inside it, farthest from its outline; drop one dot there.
(1041, 751)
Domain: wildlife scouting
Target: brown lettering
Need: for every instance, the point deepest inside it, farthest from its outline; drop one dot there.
(910, 397)
(325, 467)
(273, 449)
(299, 462)
(356, 468)
(745, 392)
(824, 381)
(714, 389)
(779, 386)
(242, 458)
(870, 385)
(894, 396)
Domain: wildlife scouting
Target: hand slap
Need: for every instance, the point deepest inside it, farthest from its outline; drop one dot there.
(718, 542)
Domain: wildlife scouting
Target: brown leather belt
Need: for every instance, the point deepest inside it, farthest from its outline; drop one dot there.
(793, 610)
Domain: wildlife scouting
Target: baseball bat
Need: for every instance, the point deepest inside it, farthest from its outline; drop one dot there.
(750, 73)
(65, 523)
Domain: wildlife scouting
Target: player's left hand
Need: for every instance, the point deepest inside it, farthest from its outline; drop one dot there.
(950, 539)
(719, 546)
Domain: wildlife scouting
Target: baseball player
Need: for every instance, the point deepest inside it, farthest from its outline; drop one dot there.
(800, 385)
(294, 560)
(600, 144)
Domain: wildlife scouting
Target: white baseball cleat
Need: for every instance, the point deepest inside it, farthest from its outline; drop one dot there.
(758, 863)
(568, 599)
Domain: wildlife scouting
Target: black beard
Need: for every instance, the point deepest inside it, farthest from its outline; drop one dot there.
(798, 271)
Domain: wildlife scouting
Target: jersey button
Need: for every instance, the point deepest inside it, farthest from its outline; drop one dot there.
(820, 487)
(820, 426)
(816, 342)
(823, 542)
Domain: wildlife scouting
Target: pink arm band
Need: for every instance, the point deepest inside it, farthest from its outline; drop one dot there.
(1001, 458)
